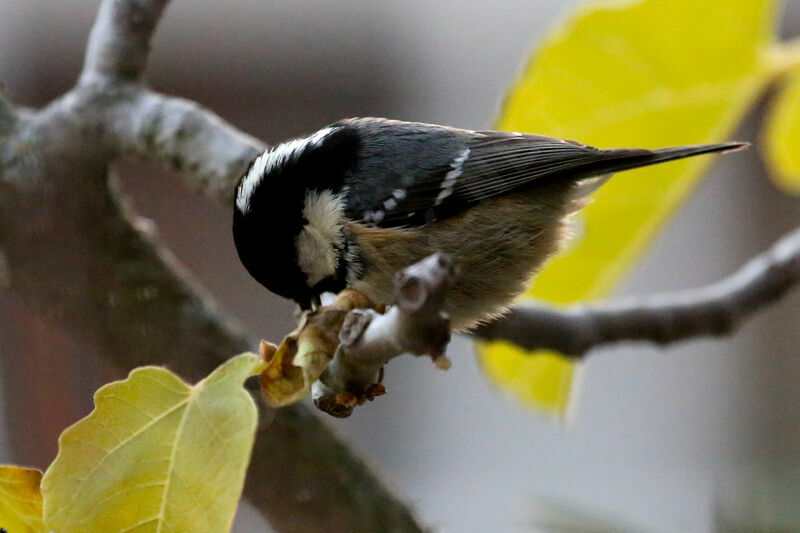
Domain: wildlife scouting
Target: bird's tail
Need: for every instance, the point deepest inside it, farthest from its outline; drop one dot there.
(619, 159)
(613, 160)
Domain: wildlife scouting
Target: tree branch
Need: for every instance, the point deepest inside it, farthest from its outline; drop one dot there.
(415, 324)
(172, 131)
(715, 310)
(305, 480)
(119, 42)
(210, 153)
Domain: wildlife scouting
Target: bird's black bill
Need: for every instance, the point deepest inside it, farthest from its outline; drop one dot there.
(311, 304)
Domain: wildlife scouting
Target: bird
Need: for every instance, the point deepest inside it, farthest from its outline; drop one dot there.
(361, 199)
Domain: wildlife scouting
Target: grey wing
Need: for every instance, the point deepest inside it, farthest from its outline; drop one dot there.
(486, 165)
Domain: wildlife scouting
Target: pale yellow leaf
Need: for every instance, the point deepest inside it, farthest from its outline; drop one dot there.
(156, 455)
(20, 500)
(647, 73)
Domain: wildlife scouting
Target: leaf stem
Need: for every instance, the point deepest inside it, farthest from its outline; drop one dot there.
(783, 58)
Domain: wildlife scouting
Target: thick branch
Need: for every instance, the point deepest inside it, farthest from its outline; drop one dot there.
(113, 285)
(120, 39)
(183, 135)
(715, 310)
(126, 119)
(304, 480)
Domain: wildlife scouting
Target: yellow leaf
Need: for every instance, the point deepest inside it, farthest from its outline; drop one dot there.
(782, 136)
(156, 455)
(646, 73)
(291, 368)
(20, 500)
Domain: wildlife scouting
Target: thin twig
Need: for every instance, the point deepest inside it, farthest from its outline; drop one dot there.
(415, 324)
(714, 310)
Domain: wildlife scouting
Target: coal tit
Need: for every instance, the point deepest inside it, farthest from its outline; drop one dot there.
(357, 201)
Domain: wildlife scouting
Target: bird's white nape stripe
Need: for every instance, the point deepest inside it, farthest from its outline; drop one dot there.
(249, 182)
(321, 238)
(272, 158)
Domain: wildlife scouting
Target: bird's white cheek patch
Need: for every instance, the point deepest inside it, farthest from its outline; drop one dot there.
(316, 256)
(324, 210)
(319, 240)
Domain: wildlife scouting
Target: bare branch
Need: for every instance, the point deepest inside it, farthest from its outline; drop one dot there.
(114, 287)
(416, 325)
(120, 39)
(126, 119)
(183, 135)
(715, 310)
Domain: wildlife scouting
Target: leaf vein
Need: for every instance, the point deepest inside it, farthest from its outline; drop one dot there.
(135, 434)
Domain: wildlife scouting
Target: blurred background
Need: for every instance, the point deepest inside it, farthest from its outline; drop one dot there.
(704, 436)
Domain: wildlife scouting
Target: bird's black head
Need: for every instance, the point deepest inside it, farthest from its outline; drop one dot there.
(287, 221)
